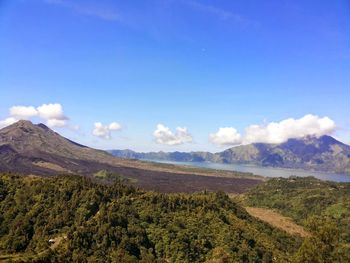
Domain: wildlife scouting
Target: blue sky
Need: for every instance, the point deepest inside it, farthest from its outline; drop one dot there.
(203, 65)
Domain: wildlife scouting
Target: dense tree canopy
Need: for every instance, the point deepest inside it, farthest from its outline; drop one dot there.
(93, 222)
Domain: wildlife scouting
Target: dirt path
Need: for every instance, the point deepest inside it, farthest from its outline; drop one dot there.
(277, 220)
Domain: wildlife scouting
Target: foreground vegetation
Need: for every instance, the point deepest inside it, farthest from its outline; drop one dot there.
(117, 223)
(89, 221)
(321, 207)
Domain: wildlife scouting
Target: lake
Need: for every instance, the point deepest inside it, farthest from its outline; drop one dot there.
(265, 171)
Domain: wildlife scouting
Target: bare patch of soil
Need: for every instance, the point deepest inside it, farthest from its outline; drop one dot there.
(57, 241)
(277, 220)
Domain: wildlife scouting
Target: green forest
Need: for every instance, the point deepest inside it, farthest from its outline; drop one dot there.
(76, 219)
(322, 207)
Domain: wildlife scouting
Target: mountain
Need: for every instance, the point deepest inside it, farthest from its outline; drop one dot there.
(312, 153)
(38, 149)
(26, 148)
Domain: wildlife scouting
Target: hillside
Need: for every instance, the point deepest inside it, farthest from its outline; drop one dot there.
(311, 153)
(317, 205)
(116, 223)
(39, 150)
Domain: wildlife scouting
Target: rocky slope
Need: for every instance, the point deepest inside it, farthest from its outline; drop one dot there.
(25, 147)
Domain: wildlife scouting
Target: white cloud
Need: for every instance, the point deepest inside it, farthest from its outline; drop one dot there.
(8, 121)
(104, 131)
(51, 113)
(114, 126)
(278, 132)
(23, 112)
(55, 123)
(226, 136)
(164, 135)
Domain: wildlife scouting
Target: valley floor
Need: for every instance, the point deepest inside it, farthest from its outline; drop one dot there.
(167, 182)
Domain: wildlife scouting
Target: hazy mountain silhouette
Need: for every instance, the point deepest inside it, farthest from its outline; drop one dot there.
(315, 153)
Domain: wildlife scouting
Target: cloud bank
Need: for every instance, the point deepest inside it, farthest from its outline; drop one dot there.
(105, 131)
(226, 136)
(23, 112)
(163, 135)
(51, 113)
(275, 132)
(278, 132)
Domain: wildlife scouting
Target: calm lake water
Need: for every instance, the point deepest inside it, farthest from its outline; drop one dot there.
(265, 171)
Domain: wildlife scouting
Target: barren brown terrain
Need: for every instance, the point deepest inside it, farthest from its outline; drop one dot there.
(277, 220)
(170, 182)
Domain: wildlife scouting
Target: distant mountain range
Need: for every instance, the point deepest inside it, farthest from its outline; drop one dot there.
(311, 153)
(35, 149)
(30, 148)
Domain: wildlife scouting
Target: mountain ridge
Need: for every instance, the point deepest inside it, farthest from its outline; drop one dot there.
(323, 153)
(35, 149)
